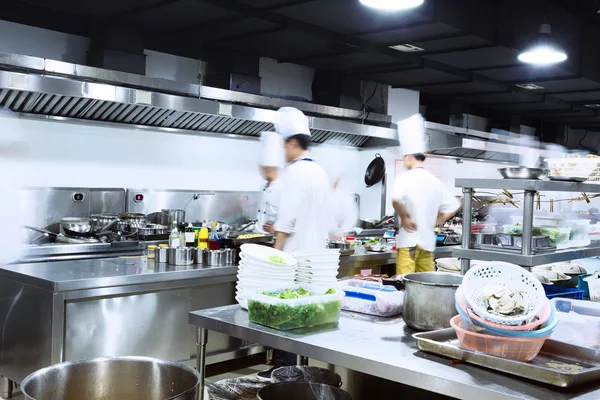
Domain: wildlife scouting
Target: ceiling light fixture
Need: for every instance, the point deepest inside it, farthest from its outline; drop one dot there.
(392, 5)
(543, 50)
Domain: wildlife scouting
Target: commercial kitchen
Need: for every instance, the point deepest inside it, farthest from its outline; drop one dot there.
(132, 264)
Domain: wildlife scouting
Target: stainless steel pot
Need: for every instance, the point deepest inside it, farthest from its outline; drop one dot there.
(429, 299)
(523, 173)
(168, 215)
(133, 378)
(200, 256)
(104, 220)
(215, 258)
(180, 256)
(161, 255)
(145, 231)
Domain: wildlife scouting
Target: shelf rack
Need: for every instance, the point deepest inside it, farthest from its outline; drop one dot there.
(527, 258)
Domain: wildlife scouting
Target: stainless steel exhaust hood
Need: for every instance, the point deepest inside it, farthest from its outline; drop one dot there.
(45, 87)
(458, 142)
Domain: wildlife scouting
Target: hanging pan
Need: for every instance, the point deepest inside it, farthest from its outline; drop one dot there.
(375, 171)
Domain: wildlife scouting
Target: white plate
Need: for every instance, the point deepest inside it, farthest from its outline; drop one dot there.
(317, 253)
(266, 282)
(319, 266)
(271, 270)
(262, 253)
(316, 281)
(317, 258)
(242, 302)
(323, 274)
(255, 274)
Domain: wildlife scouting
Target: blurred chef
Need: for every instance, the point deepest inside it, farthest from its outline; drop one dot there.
(304, 218)
(344, 209)
(271, 160)
(420, 199)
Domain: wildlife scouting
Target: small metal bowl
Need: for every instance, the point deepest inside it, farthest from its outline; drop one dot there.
(523, 173)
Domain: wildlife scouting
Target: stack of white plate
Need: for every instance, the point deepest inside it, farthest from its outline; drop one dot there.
(318, 268)
(257, 273)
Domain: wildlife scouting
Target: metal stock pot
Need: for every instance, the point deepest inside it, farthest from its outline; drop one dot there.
(429, 302)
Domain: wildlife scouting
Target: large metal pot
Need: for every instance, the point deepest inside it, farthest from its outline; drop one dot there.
(132, 378)
(429, 299)
(168, 215)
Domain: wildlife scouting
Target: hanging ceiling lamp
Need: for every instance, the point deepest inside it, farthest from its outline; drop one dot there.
(392, 5)
(543, 50)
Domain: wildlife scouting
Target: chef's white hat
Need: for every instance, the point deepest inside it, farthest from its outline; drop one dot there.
(290, 121)
(271, 150)
(411, 133)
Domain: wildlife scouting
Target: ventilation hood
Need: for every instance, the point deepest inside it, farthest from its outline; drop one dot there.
(55, 89)
(463, 143)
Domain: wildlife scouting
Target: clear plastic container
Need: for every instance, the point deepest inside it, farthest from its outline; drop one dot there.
(385, 301)
(578, 322)
(285, 314)
(514, 348)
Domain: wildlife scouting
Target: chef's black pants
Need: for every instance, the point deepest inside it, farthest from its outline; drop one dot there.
(284, 359)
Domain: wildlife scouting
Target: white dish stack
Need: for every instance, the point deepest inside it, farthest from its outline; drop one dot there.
(257, 273)
(318, 268)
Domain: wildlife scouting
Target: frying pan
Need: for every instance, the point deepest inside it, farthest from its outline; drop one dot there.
(375, 171)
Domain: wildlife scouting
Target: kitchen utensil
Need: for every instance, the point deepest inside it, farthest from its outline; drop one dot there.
(161, 255)
(429, 299)
(44, 233)
(77, 226)
(298, 373)
(180, 256)
(301, 391)
(514, 348)
(103, 220)
(200, 256)
(558, 364)
(229, 256)
(375, 171)
(523, 173)
(145, 231)
(215, 258)
(169, 214)
(113, 378)
(488, 277)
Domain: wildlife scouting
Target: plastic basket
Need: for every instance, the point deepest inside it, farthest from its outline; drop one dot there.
(553, 291)
(483, 280)
(514, 348)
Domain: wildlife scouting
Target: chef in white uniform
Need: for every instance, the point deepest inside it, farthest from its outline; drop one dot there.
(271, 160)
(420, 199)
(304, 219)
(344, 208)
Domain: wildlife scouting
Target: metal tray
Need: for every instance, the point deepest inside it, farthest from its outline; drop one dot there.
(233, 241)
(558, 364)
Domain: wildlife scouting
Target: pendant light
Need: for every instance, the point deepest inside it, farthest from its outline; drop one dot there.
(543, 50)
(392, 5)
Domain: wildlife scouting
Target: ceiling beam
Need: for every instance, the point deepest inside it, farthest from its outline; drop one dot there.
(575, 91)
(456, 49)
(316, 56)
(139, 10)
(496, 67)
(426, 84)
(396, 27)
(245, 35)
(538, 80)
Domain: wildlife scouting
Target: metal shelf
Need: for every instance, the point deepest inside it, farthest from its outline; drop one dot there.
(527, 184)
(527, 260)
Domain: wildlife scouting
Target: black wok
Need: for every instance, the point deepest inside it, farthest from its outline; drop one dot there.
(375, 171)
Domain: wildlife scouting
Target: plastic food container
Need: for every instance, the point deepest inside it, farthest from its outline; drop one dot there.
(385, 301)
(514, 348)
(573, 167)
(578, 323)
(285, 314)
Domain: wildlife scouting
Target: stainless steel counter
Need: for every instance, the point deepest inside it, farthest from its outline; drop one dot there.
(63, 276)
(389, 257)
(383, 347)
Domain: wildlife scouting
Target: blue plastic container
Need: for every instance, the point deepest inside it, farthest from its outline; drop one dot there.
(553, 291)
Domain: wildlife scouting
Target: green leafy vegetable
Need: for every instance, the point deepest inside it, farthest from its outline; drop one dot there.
(277, 260)
(330, 291)
(284, 317)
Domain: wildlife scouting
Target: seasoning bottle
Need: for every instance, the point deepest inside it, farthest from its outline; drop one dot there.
(189, 235)
(213, 241)
(150, 251)
(174, 238)
(203, 238)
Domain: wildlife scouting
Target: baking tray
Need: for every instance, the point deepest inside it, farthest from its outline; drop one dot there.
(558, 364)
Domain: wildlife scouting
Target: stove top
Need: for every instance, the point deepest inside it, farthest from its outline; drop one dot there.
(64, 239)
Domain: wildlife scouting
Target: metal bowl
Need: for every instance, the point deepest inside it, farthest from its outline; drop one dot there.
(523, 173)
(133, 378)
(77, 225)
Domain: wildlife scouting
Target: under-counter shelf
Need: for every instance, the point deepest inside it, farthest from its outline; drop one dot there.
(527, 260)
(528, 184)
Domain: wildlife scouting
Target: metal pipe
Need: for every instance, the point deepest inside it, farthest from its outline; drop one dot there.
(201, 340)
(301, 360)
(528, 205)
(465, 264)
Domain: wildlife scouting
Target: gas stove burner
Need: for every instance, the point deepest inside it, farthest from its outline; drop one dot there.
(62, 238)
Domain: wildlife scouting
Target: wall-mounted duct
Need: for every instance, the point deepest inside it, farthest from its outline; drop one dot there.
(61, 89)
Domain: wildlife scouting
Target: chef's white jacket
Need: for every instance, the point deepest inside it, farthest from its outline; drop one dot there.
(304, 211)
(344, 211)
(269, 205)
(424, 196)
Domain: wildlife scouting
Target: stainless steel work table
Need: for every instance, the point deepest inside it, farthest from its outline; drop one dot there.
(61, 276)
(381, 347)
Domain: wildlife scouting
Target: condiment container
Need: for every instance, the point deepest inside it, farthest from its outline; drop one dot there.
(180, 256)
(161, 254)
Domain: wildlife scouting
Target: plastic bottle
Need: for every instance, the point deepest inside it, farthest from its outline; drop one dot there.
(203, 238)
(174, 238)
(189, 235)
(213, 241)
